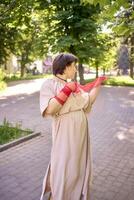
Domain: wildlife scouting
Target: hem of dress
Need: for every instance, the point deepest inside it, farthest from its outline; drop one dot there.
(45, 182)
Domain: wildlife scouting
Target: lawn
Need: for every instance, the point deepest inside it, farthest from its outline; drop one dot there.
(112, 80)
(8, 132)
(11, 78)
(117, 81)
(26, 77)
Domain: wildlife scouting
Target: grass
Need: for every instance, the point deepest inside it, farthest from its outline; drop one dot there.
(112, 80)
(8, 132)
(117, 81)
(10, 78)
(120, 81)
(17, 77)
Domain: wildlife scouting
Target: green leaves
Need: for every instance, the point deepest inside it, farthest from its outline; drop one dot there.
(121, 30)
(119, 12)
(95, 2)
(73, 25)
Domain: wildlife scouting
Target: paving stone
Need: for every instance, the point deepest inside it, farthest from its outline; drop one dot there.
(22, 167)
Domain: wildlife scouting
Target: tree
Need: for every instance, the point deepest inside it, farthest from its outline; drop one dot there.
(26, 41)
(121, 15)
(104, 47)
(7, 32)
(19, 30)
(72, 28)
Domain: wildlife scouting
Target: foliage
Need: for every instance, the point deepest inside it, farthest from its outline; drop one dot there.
(109, 60)
(7, 34)
(8, 132)
(101, 2)
(41, 27)
(72, 27)
(104, 53)
(19, 31)
(31, 29)
(119, 12)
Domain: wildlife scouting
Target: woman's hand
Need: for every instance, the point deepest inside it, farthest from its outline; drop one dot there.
(103, 78)
(99, 81)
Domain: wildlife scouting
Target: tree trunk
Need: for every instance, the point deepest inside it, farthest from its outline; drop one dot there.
(104, 71)
(22, 70)
(81, 73)
(72, 50)
(97, 68)
(22, 65)
(132, 57)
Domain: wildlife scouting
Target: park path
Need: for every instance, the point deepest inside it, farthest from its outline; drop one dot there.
(22, 167)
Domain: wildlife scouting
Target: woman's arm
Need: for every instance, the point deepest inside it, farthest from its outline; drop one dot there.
(52, 108)
(94, 93)
(96, 88)
(56, 103)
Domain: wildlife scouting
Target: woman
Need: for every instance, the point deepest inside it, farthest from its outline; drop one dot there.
(68, 175)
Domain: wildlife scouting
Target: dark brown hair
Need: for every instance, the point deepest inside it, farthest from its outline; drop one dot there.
(62, 61)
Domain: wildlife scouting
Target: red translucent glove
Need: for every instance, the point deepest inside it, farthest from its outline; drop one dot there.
(65, 92)
(99, 81)
(91, 85)
(72, 86)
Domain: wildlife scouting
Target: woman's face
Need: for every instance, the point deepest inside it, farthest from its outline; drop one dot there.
(71, 70)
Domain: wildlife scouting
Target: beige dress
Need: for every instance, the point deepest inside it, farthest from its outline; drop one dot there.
(69, 171)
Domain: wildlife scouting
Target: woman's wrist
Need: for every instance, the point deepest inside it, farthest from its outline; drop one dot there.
(65, 93)
(66, 90)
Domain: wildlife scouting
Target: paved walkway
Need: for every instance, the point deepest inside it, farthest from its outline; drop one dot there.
(112, 132)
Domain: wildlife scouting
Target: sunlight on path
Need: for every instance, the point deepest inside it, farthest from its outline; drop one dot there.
(25, 87)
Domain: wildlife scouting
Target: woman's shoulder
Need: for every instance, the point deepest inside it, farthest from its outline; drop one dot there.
(52, 84)
(48, 82)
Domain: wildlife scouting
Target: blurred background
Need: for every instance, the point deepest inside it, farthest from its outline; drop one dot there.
(100, 33)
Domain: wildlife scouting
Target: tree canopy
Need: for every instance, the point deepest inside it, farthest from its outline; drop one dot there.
(34, 28)
(120, 14)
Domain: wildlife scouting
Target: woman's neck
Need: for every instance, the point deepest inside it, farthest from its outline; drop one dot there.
(62, 77)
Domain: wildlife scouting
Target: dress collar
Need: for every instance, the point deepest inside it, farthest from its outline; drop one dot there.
(60, 80)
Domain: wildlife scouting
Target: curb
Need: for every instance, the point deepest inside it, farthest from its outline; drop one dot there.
(18, 141)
